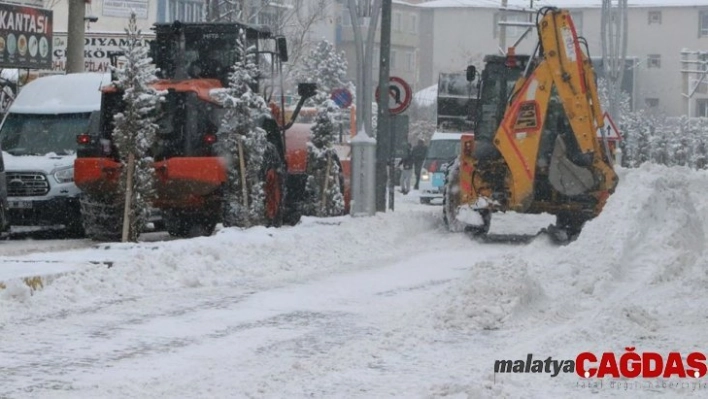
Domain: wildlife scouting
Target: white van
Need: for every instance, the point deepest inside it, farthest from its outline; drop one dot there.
(38, 140)
(442, 150)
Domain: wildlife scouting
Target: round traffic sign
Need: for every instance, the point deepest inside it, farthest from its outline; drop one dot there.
(342, 97)
(400, 95)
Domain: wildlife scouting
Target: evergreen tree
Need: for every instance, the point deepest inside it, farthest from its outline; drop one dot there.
(323, 188)
(243, 142)
(135, 126)
(699, 158)
(327, 68)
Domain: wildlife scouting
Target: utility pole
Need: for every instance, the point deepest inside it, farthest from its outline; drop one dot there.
(75, 36)
(693, 63)
(383, 138)
(502, 27)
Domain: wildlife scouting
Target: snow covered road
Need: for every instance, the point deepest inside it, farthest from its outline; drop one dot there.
(361, 308)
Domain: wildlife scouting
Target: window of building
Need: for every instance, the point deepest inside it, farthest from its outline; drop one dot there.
(651, 102)
(654, 61)
(267, 18)
(703, 23)
(410, 61)
(577, 17)
(186, 11)
(654, 17)
(346, 18)
(392, 59)
(511, 31)
(702, 107)
(413, 28)
(397, 22)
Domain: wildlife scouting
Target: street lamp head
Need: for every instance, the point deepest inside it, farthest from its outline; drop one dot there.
(91, 18)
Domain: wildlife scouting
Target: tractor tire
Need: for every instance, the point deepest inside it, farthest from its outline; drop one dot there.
(272, 174)
(184, 224)
(451, 204)
(102, 220)
(75, 229)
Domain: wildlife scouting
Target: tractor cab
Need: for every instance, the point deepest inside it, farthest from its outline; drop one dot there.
(184, 51)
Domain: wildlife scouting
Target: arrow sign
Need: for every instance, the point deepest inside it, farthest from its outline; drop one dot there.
(611, 131)
(400, 95)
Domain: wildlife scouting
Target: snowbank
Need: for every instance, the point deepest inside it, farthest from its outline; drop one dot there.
(636, 276)
(258, 256)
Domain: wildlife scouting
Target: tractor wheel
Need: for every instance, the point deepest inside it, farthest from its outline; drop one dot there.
(102, 220)
(451, 205)
(272, 175)
(75, 229)
(186, 224)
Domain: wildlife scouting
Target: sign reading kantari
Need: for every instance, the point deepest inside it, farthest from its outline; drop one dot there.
(25, 37)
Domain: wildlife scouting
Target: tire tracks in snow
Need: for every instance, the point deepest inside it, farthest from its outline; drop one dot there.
(51, 346)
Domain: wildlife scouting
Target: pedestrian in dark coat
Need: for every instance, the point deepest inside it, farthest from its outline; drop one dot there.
(418, 154)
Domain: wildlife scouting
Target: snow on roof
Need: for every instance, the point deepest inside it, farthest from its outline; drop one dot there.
(447, 135)
(426, 96)
(61, 94)
(558, 3)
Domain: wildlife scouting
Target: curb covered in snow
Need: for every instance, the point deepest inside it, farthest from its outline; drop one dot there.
(37, 282)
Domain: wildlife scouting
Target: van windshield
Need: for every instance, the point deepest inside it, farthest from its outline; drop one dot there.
(443, 149)
(34, 134)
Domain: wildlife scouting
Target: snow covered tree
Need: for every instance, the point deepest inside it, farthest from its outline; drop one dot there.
(135, 129)
(323, 188)
(327, 68)
(243, 143)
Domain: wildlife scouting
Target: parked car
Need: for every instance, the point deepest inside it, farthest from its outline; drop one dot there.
(442, 151)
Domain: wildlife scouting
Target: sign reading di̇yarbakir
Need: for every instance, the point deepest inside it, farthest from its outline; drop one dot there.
(25, 37)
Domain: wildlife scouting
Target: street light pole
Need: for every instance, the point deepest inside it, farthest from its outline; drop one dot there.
(75, 36)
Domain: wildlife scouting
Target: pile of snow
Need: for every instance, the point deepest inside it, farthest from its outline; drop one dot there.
(630, 269)
(650, 229)
(490, 295)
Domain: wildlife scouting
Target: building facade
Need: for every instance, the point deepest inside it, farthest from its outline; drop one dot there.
(656, 38)
(405, 42)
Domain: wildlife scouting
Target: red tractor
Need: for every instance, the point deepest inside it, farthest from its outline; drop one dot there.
(193, 59)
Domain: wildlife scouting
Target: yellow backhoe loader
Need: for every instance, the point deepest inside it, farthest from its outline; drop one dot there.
(535, 147)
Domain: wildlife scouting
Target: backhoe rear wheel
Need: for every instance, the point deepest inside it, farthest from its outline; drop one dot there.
(568, 226)
(451, 205)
